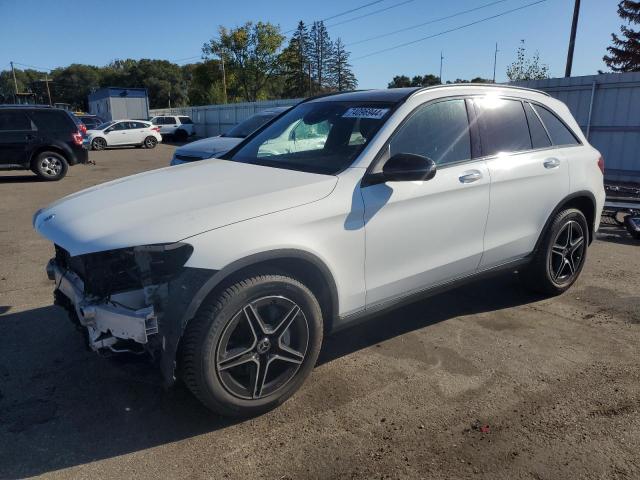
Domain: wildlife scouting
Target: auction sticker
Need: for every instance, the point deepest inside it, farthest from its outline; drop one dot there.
(365, 112)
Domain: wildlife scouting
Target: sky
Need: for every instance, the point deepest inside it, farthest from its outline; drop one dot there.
(52, 33)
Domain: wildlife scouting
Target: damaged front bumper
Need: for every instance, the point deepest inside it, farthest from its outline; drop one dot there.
(111, 323)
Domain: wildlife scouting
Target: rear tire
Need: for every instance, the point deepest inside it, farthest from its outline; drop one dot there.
(181, 135)
(150, 142)
(50, 166)
(557, 263)
(242, 363)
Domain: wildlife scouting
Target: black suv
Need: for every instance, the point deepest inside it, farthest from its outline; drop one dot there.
(42, 139)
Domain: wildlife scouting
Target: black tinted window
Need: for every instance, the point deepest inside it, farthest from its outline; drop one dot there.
(439, 131)
(138, 125)
(169, 121)
(14, 121)
(185, 120)
(539, 137)
(503, 125)
(52, 120)
(120, 126)
(560, 134)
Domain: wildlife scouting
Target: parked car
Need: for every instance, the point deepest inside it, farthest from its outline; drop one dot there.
(42, 139)
(179, 127)
(234, 270)
(120, 133)
(215, 146)
(90, 121)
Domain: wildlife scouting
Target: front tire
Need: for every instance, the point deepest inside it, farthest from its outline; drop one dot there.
(99, 144)
(50, 166)
(250, 348)
(561, 256)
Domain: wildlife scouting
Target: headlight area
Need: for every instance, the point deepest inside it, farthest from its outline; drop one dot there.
(118, 295)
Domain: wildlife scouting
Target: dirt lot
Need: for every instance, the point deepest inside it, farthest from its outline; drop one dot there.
(485, 381)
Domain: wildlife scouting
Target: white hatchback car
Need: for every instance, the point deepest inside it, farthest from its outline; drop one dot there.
(121, 133)
(230, 272)
(179, 127)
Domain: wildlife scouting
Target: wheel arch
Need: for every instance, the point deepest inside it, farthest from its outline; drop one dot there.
(49, 148)
(583, 200)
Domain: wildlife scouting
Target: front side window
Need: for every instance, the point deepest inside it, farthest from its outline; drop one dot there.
(503, 125)
(169, 121)
(560, 134)
(439, 131)
(105, 125)
(156, 120)
(14, 121)
(316, 136)
(120, 126)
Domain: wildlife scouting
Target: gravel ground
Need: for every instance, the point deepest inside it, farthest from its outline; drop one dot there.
(486, 381)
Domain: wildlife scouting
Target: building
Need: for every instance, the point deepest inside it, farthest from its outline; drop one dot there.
(607, 108)
(114, 103)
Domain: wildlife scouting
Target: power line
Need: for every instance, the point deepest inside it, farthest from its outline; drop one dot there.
(450, 30)
(34, 66)
(371, 13)
(346, 12)
(435, 20)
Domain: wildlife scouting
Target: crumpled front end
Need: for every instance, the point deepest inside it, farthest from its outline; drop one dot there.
(119, 296)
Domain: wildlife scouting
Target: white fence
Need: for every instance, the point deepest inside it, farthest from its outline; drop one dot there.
(213, 120)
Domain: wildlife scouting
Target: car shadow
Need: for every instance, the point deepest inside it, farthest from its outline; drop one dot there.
(62, 406)
(616, 234)
(20, 179)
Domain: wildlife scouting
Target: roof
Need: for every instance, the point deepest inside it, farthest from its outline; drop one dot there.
(123, 92)
(28, 105)
(397, 95)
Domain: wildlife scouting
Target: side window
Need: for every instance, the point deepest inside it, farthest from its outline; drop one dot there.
(138, 125)
(560, 134)
(539, 137)
(169, 121)
(120, 126)
(503, 125)
(14, 121)
(185, 120)
(52, 120)
(157, 121)
(439, 131)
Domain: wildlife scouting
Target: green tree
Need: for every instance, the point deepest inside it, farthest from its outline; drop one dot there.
(320, 55)
(205, 83)
(341, 77)
(527, 68)
(73, 84)
(295, 63)
(251, 54)
(624, 54)
(399, 81)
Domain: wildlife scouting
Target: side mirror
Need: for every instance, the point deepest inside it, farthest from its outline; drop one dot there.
(407, 167)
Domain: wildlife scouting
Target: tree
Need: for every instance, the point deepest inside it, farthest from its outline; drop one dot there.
(400, 81)
(624, 55)
(295, 63)
(73, 84)
(473, 80)
(340, 74)
(204, 82)
(320, 54)
(527, 68)
(251, 54)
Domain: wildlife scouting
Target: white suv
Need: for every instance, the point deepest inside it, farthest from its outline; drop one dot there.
(229, 272)
(179, 127)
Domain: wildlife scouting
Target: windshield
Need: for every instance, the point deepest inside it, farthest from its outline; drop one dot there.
(244, 129)
(104, 125)
(321, 137)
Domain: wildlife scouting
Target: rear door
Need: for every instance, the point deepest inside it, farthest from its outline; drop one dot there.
(140, 131)
(16, 137)
(529, 177)
(119, 134)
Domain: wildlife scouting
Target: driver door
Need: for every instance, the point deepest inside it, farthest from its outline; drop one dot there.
(421, 234)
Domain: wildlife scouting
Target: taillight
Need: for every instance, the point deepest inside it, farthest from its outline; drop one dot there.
(77, 138)
(155, 129)
(83, 128)
(601, 164)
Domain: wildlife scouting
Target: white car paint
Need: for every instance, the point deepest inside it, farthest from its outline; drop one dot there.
(378, 242)
(211, 147)
(119, 133)
(170, 124)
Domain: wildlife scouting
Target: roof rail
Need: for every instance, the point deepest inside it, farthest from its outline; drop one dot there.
(494, 85)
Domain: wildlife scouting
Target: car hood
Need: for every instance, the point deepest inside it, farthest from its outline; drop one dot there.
(208, 147)
(173, 203)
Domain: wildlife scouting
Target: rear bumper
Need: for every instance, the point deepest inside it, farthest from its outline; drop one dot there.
(79, 155)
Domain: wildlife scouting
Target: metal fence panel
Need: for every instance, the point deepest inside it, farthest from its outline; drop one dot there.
(211, 120)
(607, 108)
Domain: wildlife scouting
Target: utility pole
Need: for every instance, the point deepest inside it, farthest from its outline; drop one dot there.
(224, 77)
(495, 62)
(572, 38)
(15, 84)
(441, 59)
(46, 81)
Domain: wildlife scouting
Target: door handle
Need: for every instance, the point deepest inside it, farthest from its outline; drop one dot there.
(470, 176)
(551, 163)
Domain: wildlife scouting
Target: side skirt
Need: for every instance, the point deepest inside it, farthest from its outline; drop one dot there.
(356, 318)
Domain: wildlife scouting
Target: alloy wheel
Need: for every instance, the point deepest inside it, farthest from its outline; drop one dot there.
(150, 142)
(567, 253)
(262, 347)
(51, 166)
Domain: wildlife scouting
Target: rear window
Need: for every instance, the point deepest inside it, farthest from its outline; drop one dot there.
(14, 121)
(185, 120)
(53, 120)
(503, 126)
(559, 132)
